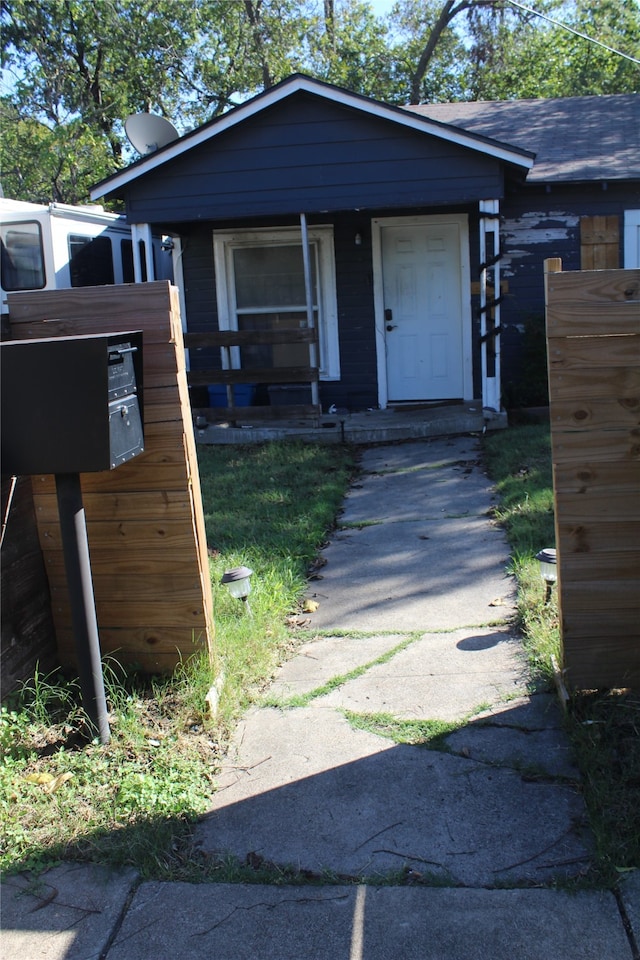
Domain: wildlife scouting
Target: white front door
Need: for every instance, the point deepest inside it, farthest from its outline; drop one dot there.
(426, 328)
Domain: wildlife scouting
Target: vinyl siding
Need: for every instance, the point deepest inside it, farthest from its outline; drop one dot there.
(308, 154)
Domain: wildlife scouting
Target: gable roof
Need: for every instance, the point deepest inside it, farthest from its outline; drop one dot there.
(481, 143)
(574, 138)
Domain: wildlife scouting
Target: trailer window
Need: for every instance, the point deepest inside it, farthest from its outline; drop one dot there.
(90, 261)
(22, 256)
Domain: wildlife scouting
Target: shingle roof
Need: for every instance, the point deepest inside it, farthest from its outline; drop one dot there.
(574, 138)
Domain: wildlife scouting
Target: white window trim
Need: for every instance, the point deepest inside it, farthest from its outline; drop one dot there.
(225, 241)
(631, 239)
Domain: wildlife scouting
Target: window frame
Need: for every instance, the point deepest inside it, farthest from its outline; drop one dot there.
(6, 228)
(321, 237)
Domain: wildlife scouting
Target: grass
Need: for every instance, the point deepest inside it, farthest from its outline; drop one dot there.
(132, 802)
(604, 726)
(271, 507)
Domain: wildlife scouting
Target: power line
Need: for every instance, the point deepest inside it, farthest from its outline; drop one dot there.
(583, 36)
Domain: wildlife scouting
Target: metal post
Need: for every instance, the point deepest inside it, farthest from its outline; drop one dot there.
(75, 546)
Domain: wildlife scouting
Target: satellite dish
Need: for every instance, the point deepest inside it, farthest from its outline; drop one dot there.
(149, 132)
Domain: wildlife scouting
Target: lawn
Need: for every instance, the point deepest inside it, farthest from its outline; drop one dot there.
(270, 507)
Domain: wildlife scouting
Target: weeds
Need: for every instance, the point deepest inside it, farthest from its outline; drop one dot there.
(604, 726)
(132, 801)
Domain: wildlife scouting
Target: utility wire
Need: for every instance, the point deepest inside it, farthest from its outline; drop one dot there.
(583, 36)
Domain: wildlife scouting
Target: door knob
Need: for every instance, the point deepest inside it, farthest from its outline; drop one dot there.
(391, 326)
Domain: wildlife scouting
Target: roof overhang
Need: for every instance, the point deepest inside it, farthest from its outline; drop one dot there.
(300, 83)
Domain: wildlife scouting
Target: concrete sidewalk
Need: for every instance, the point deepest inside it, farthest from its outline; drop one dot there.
(402, 789)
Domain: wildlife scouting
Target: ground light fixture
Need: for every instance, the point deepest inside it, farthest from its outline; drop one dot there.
(238, 582)
(548, 569)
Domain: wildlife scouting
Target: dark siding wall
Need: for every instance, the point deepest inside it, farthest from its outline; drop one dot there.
(309, 154)
(358, 386)
(536, 225)
(358, 389)
(200, 298)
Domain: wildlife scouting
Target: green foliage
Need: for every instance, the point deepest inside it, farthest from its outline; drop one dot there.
(268, 507)
(604, 726)
(424, 733)
(74, 70)
(535, 58)
(605, 730)
(131, 802)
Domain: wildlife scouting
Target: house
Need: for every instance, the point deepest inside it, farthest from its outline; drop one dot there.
(383, 255)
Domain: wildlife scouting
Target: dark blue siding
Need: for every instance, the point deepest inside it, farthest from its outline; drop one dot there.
(308, 154)
(538, 224)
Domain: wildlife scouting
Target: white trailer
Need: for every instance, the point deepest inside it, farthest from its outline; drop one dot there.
(56, 246)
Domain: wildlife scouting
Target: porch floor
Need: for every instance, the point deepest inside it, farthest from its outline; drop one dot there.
(410, 422)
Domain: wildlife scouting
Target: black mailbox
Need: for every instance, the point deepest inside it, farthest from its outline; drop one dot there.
(71, 404)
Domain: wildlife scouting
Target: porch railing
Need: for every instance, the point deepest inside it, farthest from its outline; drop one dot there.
(265, 376)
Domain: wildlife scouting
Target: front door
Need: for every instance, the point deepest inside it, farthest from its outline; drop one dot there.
(422, 283)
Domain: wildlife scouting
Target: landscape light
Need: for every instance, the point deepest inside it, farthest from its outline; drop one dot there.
(548, 569)
(238, 581)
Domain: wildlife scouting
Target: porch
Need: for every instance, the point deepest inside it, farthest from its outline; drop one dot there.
(396, 423)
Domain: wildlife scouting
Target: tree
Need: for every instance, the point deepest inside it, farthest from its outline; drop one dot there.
(75, 69)
(537, 58)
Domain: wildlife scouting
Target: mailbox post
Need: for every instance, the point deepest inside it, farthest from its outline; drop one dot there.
(73, 405)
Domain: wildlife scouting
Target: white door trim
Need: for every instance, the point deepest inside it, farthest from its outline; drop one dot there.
(377, 224)
(631, 239)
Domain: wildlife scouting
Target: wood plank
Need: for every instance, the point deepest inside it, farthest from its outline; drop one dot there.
(623, 384)
(600, 289)
(182, 612)
(145, 521)
(597, 663)
(594, 390)
(199, 526)
(589, 352)
(607, 478)
(608, 445)
(116, 304)
(129, 561)
(241, 338)
(601, 565)
(600, 242)
(134, 476)
(251, 414)
(589, 536)
(599, 626)
(595, 596)
(159, 505)
(129, 536)
(601, 413)
(154, 650)
(578, 315)
(253, 375)
(598, 504)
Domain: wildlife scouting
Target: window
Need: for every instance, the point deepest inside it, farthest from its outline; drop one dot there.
(22, 256)
(90, 260)
(260, 286)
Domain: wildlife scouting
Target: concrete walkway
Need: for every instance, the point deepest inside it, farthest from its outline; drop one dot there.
(402, 792)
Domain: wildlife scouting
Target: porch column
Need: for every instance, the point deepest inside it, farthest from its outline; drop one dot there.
(308, 289)
(490, 303)
(142, 232)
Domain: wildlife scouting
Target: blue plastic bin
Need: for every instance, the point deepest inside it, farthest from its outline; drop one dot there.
(242, 395)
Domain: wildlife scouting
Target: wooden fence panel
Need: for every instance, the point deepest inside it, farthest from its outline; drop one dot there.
(593, 344)
(145, 521)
